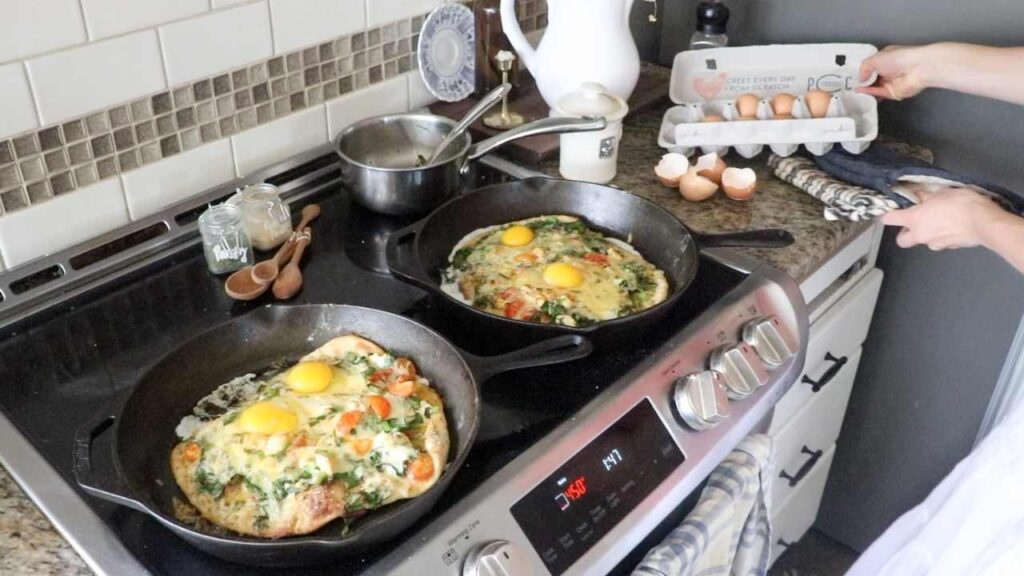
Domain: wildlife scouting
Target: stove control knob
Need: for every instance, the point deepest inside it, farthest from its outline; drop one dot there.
(701, 399)
(741, 369)
(770, 339)
(496, 558)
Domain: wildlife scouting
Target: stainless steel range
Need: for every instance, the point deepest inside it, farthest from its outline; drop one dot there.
(578, 470)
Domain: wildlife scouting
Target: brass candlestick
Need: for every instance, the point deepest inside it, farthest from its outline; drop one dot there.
(505, 119)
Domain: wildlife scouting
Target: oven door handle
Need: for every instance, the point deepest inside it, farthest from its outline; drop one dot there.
(98, 476)
(804, 470)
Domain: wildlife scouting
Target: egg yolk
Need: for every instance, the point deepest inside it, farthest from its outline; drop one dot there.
(562, 275)
(267, 418)
(309, 377)
(517, 236)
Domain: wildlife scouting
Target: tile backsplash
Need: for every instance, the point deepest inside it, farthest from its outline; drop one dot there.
(156, 101)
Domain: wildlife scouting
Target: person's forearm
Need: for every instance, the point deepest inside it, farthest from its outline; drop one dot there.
(980, 70)
(1005, 236)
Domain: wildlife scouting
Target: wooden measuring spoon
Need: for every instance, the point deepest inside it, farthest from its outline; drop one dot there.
(289, 282)
(266, 272)
(243, 284)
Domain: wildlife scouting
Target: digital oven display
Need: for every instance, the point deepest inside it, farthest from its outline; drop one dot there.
(567, 513)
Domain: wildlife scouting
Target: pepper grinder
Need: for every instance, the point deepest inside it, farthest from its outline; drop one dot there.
(505, 119)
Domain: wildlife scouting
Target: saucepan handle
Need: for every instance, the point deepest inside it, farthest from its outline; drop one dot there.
(772, 238)
(543, 126)
(100, 480)
(404, 261)
(557, 350)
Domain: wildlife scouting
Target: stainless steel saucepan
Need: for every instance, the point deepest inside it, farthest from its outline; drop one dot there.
(384, 159)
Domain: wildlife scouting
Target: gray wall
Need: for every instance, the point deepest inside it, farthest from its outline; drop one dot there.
(944, 320)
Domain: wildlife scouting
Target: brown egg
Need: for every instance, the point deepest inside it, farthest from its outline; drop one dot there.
(696, 188)
(782, 104)
(714, 118)
(739, 183)
(817, 103)
(784, 117)
(746, 105)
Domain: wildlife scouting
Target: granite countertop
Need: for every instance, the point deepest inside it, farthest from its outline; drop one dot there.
(30, 545)
(776, 204)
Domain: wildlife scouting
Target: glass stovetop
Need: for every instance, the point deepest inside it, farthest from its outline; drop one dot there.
(59, 370)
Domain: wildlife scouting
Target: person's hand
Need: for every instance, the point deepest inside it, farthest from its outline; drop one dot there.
(903, 72)
(946, 219)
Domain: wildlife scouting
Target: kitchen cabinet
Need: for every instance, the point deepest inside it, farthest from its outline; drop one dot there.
(807, 421)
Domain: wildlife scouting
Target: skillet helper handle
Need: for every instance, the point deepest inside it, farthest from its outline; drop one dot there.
(771, 238)
(557, 350)
(403, 259)
(100, 480)
(543, 126)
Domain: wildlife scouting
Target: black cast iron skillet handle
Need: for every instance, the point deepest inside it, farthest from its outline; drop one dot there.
(772, 238)
(404, 261)
(98, 480)
(553, 351)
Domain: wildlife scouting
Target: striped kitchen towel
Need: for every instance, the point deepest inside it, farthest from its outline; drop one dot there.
(842, 200)
(728, 532)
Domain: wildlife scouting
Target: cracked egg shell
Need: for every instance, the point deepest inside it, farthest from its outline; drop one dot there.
(695, 187)
(739, 183)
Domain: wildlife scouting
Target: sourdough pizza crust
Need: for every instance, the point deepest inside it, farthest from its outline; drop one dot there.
(238, 507)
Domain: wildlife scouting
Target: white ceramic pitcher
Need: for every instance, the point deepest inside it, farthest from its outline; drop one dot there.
(586, 41)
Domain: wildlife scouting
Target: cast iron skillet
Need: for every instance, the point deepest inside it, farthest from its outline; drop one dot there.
(418, 253)
(143, 429)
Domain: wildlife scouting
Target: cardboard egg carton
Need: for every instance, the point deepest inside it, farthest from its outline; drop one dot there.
(706, 82)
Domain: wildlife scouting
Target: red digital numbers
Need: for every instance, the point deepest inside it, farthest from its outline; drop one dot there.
(577, 489)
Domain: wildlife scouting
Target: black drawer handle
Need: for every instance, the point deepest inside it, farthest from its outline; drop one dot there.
(785, 545)
(815, 455)
(837, 365)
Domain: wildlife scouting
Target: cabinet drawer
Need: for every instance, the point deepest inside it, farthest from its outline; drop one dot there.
(791, 520)
(833, 338)
(803, 441)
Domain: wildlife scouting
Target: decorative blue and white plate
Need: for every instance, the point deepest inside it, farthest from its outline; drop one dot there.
(447, 52)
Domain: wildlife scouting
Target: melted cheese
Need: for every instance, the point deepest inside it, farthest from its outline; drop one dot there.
(370, 459)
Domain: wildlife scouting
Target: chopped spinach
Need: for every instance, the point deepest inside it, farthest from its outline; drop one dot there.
(255, 489)
(553, 308)
(350, 479)
(460, 258)
(358, 363)
(330, 412)
(283, 487)
(232, 416)
(483, 301)
(208, 483)
(375, 459)
(583, 321)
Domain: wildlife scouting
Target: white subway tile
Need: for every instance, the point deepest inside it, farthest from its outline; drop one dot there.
(216, 42)
(383, 11)
(30, 27)
(105, 18)
(388, 97)
(167, 182)
(419, 96)
(19, 113)
(79, 80)
(280, 139)
(60, 223)
(299, 23)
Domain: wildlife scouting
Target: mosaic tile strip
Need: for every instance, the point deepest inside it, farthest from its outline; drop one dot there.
(40, 165)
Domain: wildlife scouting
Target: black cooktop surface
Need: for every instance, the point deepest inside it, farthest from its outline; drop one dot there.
(62, 368)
